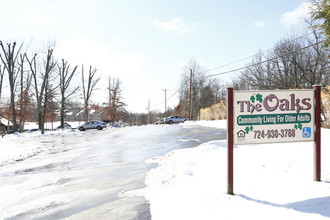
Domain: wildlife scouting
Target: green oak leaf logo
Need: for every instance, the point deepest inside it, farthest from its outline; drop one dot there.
(252, 98)
(259, 97)
(248, 129)
(298, 126)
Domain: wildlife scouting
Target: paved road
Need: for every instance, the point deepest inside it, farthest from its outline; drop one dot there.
(84, 174)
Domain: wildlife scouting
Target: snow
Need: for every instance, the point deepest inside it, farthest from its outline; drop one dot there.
(20, 146)
(52, 125)
(11, 152)
(5, 121)
(271, 181)
(80, 112)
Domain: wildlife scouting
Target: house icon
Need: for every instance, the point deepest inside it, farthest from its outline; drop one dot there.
(241, 134)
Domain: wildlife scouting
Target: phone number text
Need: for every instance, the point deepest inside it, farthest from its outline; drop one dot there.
(274, 133)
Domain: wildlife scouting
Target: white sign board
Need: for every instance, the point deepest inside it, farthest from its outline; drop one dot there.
(273, 116)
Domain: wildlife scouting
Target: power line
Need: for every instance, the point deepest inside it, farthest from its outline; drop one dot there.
(274, 58)
(241, 68)
(176, 90)
(240, 60)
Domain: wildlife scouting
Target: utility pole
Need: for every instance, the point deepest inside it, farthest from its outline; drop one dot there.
(165, 98)
(190, 95)
(149, 111)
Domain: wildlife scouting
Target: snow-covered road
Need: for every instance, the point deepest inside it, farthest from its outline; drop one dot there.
(84, 175)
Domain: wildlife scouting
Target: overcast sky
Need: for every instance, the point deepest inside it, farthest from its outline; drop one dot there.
(146, 43)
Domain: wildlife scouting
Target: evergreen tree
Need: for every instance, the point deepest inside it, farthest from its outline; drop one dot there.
(322, 13)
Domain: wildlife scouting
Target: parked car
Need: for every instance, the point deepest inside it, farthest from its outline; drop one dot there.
(33, 130)
(66, 126)
(160, 121)
(175, 119)
(99, 125)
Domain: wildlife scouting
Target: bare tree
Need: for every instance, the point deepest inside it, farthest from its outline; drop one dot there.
(198, 83)
(115, 110)
(49, 104)
(88, 89)
(49, 91)
(318, 72)
(41, 89)
(33, 68)
(213, 92)
(24, 100)
(2, 73)
(21, 70)
(9, 58)
(257, 75)
(66, 75)
(293, 63)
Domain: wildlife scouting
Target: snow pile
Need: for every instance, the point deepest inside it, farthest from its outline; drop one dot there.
(213, 124)
(20, 146)
(12, 151)
(271, 181)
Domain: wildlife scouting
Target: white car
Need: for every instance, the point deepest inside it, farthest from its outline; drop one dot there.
(160, 121)
(99, 125)
(175, 119)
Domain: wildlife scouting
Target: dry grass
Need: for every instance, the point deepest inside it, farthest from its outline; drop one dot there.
(215, 112)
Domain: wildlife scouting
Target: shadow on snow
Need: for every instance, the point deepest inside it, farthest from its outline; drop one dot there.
(315, 205)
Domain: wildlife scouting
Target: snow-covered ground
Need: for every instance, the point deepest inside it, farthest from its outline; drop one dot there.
(271, 181)
(12, 150)
(20, 146)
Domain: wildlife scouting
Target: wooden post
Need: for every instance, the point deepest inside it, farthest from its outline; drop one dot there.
(317, 138)
(230, 140)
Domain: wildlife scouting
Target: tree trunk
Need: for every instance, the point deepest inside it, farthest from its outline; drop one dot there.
(39, 113)
(1, 80)
(21, 100)
(62, 111)
(12, 102)
(86, 111)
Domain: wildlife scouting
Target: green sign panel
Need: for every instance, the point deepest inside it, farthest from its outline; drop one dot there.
(270, 119)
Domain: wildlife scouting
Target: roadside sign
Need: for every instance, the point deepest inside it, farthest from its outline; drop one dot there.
(255, 117)
(273, 116)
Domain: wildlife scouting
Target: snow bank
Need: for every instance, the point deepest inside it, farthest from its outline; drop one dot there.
(214, 124)
(20, 146)
(11, 152)
(271, 181)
